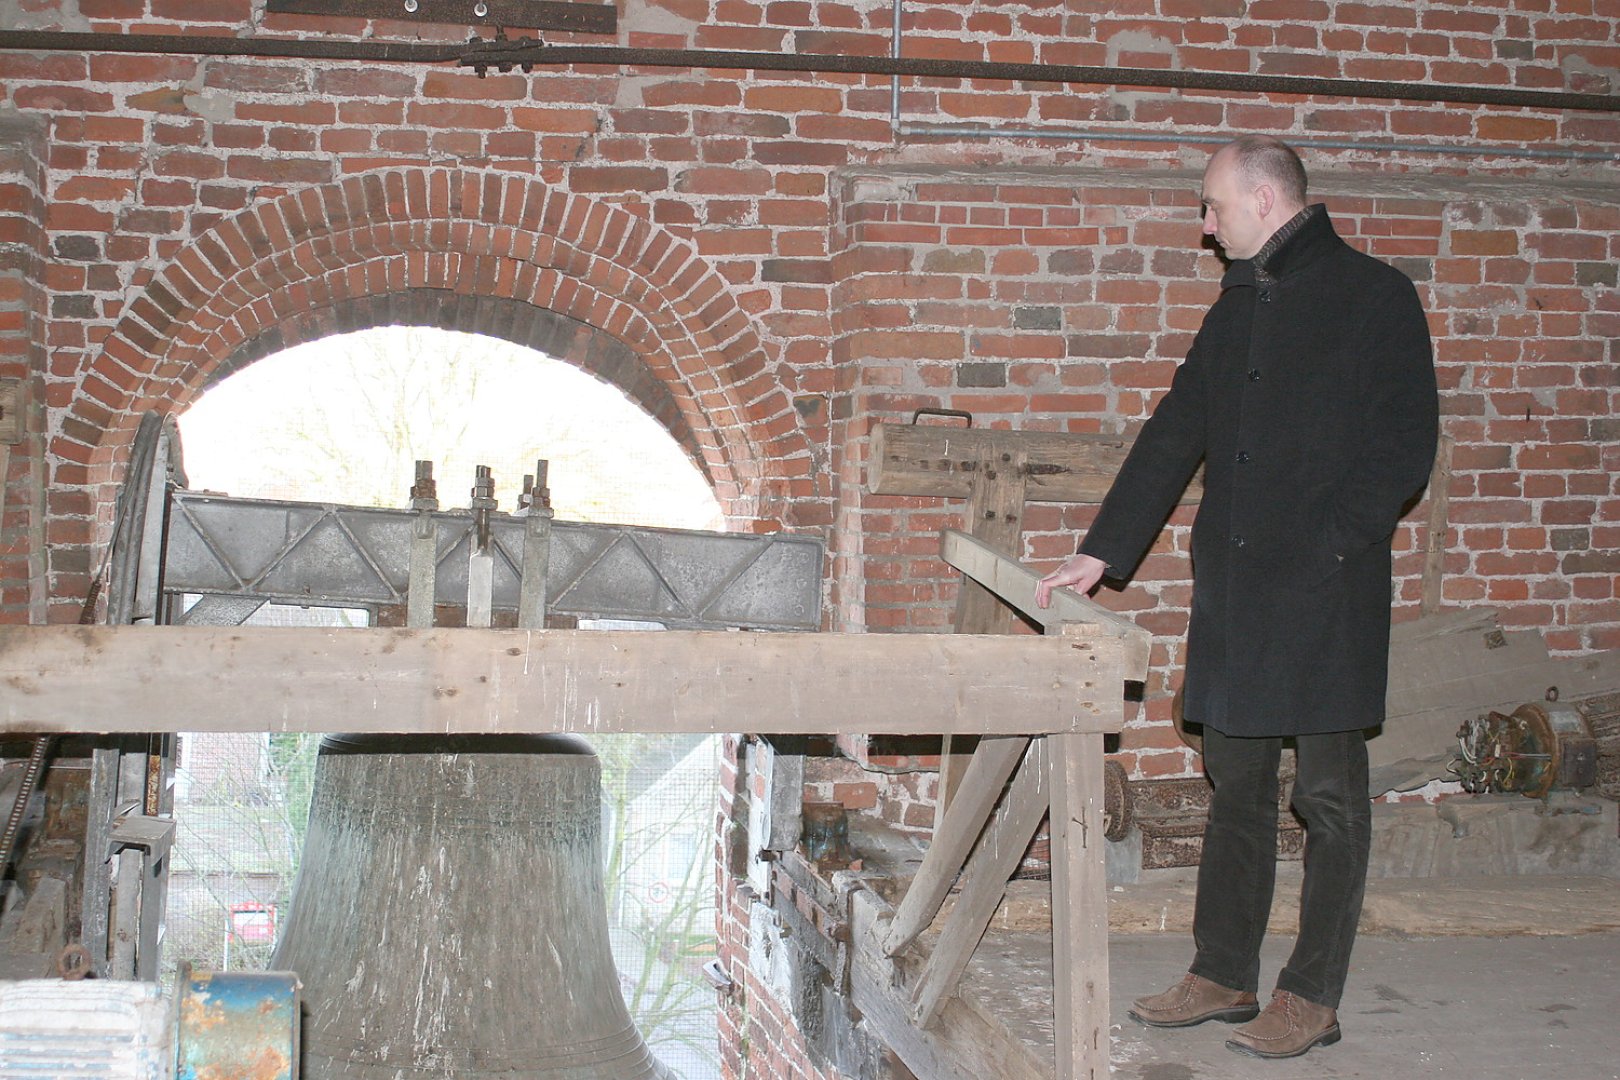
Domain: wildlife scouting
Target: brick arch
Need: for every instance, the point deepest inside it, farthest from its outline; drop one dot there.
(542, 329)
(468, 234)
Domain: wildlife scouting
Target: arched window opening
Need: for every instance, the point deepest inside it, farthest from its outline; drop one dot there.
(345, 418)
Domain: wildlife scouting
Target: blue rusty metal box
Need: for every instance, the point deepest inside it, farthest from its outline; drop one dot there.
(237, 1025)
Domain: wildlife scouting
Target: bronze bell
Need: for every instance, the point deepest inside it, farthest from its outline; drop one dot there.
(449, 919)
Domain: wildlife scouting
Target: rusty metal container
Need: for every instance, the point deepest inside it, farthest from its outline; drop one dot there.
(449, 918)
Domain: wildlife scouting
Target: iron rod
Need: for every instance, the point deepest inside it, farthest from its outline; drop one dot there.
(506, 54)
(403, 52)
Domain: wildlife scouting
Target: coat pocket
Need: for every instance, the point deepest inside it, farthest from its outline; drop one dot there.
(1311, 557)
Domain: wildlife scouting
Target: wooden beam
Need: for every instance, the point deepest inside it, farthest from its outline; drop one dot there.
(156, 679)
(970, 1041)
(933, 459)
(994, 859)
(1015, 583)
(992, 763)
(994, 516)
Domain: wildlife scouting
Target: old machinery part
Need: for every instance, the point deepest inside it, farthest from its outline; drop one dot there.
(127, 772)
(535, 489)
(1602, 713)
(37, 758)
(74, 963)
(1118, 816)
(481, 561)
(1531, 750)
(482, 505)
(535, 506)
(215, 1026)
(425, 492)
(101, 1028)
(424, 559)
(356, 556)
(408, 968)
(242, 1024)
(140, 846)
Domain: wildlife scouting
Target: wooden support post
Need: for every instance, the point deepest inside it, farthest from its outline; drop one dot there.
(995, 517)
(1079, 902)
(1439, 526)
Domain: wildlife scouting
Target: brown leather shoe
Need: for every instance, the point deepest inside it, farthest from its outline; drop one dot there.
(1287, 1028)
(1192, 1001)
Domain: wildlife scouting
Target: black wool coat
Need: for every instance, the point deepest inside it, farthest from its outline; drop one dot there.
(1310, 394)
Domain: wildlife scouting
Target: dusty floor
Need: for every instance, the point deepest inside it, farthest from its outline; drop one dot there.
(1489, 950)
(1481, 1007)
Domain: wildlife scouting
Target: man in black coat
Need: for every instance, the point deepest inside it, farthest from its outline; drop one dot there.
(1309, 393)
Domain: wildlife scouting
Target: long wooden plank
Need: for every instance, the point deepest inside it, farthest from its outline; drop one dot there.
(148, 679)
(993, 862)
(936, 460)
(992, 763)
(1015, 583)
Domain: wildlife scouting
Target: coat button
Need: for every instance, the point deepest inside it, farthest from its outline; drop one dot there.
(1265, 296)
(1242, 457)
(1254, 374)
(1237, 541)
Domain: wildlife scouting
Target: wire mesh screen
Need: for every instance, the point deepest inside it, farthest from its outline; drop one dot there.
(658, 794)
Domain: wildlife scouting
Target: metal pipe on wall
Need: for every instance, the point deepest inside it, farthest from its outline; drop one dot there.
(526, 53)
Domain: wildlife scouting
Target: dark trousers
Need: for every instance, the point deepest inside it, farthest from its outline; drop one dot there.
(1238, 870)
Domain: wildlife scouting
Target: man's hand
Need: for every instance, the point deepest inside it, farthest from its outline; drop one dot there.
(1079, 572)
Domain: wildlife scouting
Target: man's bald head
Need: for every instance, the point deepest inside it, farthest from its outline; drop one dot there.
(1252, 187)
(1261, 159)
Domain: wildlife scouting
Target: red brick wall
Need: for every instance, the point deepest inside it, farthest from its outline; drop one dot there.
(1074, 294)
(770, 267)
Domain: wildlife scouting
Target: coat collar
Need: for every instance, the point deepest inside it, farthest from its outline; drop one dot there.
(1314, 237)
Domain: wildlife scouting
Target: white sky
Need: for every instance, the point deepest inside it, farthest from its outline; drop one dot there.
(344, 419)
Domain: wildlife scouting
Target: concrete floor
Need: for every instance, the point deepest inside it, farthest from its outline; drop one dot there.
(1476, 1007)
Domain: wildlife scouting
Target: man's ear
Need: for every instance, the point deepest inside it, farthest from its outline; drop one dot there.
(1265, 197)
